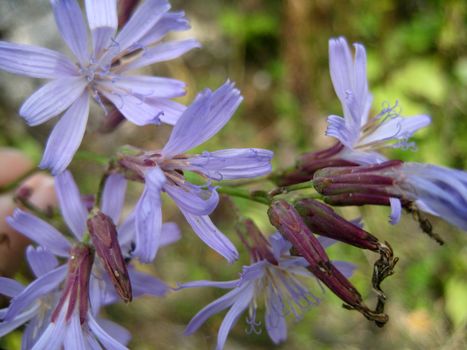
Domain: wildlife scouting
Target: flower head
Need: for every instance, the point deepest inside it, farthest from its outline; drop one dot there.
(274, 278)
(361, 135)
(99, 73)
(433, 189)
(163, 170)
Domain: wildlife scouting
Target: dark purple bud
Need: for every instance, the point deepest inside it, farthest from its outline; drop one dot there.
(290, 224)
(76, 289)
(357, 199)
(104, 238)
(323, 220)
(255, 242)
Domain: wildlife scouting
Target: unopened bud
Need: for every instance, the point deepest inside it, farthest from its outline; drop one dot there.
(255, 242)
(323, 220)
(104, 238)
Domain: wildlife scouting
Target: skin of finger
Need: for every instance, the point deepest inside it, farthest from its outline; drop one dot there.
(13, 165)
(12, 243)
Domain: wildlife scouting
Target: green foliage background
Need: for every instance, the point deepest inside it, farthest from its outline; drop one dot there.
(276, 52)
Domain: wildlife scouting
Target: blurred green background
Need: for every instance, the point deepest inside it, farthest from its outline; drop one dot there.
(277, 53)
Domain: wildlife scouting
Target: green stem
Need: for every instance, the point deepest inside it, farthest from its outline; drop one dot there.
(243, 193)
(291, 188)
(91, 156)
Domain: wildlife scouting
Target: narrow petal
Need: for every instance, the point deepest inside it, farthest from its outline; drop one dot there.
(74, 339)
(40, 232)
(396, 210)
(105, 339)
(134, 108)
(204, 283)
(39, 287)
(170, 234)
(121, 334)
(170, 111)
(113, 196)
(144, 87)
(9, 326)
(144, 18)
(53, 336)
(340, 67)
(194, 199)
(169, 22)
(52, 99)
(103, 22)
(70, 23)
(274, 319)
(9, 287)
(232, 316)
(144, 284)
(40, 260)
(230, 164)
(360, 84)
(35, 62)
(149, 217)
(209, 234)
(338, 129)
(213, 308)
(66, 136)
(163, 52)
(71, 206)
(346, 268)
(203, 119)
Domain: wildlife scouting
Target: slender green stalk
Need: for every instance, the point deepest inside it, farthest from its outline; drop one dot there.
(243, 193)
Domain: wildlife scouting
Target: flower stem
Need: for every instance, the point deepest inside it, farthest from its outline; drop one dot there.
(291, 188)
(255, 196)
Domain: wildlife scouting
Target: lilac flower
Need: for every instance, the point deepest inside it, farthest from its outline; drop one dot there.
(363, 136)
(71, 309)
(275, 277)
(163, 170)
(436, 190)
(100, 73)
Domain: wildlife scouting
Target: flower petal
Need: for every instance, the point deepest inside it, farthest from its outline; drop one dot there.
(233, 314)
(169, 22)
(144, 18)
(396, 210)
(66, 136)
(113, 196)
(53, 336)
(204, 283)
(170, 234)
(74, 339)
(274, 318)
(213, 308)
(70, 23)
(231, 164)
(149, 217)
(10, 287)
(39, 287)
(103, 22)
(40, 260)
(121, 334)
(35, 62)
(340, 67)
(40, 232)
(193, 199)
(134, 108)
(344, 267)
(144, 284)
(105, 339)
(209, 234)
(71, 206)
(52, 99)
(338, 129)
(170, 111)
(8, 326)
(203, 119)
(162, 52)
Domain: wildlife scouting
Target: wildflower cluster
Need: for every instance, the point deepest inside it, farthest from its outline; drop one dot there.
(90, 266)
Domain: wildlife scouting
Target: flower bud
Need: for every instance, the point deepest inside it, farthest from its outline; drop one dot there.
(323, 220)
(104, 238)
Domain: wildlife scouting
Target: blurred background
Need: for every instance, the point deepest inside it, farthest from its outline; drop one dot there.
(277, 53)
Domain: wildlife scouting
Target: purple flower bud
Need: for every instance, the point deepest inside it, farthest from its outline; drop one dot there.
(76, 290)
(104, 238)
(290, 224)
(259, 248)
(323, 220)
